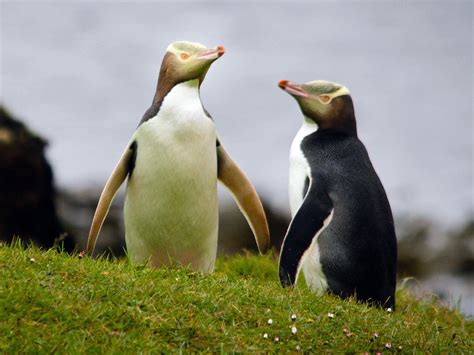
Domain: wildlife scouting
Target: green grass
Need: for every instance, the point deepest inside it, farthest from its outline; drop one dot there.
(51, 302)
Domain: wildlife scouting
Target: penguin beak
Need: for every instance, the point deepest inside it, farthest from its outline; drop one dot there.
(292, 88)
(211, 54)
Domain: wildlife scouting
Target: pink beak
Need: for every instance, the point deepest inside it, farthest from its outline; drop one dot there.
(212, 53)
(292, 88)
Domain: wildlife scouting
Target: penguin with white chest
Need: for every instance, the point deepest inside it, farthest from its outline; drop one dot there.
(342, 233)
(173, 162)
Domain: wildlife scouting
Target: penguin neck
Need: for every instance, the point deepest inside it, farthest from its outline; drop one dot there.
(346, 127)
(341, 119)
(183, 94)
(308, 127)
(164, 89)
(182, 103)
(188, 88)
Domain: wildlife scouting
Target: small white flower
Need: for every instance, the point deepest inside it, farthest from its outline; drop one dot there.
(293, 317)
(298, 348)
(376, 335)
(293, 330)
(277, 339)
(32, 260)
(265, 335)
(270, 321)
(389, 310)
(331, 315)
(388, 345)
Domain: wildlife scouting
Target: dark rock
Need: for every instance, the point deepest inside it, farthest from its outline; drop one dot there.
(235, 234)
(76, 209)
(414, 249)
(425, 249)
(27, 207)
(457, 255)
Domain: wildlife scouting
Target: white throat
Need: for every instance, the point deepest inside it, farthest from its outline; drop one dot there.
(182, 98)
(308, 127)
(181, 116)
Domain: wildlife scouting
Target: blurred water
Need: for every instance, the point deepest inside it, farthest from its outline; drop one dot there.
(83, 73)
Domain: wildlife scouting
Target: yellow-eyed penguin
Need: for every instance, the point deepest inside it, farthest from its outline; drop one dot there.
(342, 234)
(173, 162)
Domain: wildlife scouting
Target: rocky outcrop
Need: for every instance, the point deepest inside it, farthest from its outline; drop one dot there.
(76, 209)
(27, 193)
(438, 262)
(424, 249)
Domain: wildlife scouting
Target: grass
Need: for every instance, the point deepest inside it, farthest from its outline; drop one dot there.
(52, 302)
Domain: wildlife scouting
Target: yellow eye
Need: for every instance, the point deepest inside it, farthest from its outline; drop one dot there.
(184, 56)
(325, 99)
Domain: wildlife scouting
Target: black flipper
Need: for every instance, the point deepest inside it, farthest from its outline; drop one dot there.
(309, 219)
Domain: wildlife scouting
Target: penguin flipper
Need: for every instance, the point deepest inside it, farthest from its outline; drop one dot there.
(310, 220)
(119, 174)
(230, 174)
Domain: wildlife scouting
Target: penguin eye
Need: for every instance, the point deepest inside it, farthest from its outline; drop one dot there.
(324, 99)
(184, 56)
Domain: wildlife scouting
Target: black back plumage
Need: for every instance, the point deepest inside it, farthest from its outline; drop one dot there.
(358, 248)
(345, 208)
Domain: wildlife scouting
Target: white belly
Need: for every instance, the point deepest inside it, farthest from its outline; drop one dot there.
(311, 263)
(299, 172)
(171, 213)
(299, 167)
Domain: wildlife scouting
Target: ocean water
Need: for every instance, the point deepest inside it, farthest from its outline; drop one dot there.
(83, 73)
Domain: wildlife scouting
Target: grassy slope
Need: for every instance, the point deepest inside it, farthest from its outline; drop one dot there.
(68, 304)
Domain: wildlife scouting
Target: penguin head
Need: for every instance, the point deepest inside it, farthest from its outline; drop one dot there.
(328, 104)
(185, 61)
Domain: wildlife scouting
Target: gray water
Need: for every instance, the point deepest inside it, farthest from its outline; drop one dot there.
(83, 73)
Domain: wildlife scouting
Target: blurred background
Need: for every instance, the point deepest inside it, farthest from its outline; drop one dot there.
(81, 74)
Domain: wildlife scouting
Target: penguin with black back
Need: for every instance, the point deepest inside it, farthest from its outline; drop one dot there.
(342, 233)
(173, 162)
